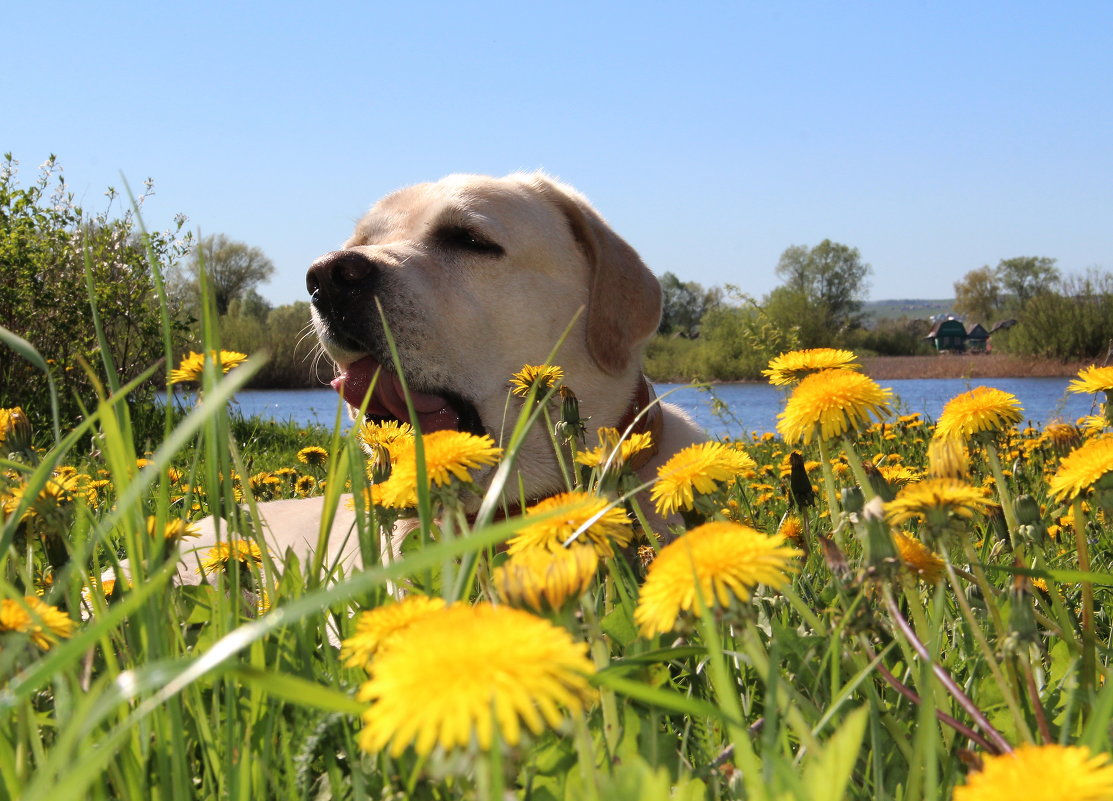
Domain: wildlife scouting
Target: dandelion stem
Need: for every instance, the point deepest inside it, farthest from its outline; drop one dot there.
(1007, 690)
(1089, 642)
(944, 677)
(829, 482)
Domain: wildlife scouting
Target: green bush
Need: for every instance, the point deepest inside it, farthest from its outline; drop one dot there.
(47, 247)
(1074, 323)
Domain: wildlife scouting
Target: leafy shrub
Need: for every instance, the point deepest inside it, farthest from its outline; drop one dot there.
(47, 245)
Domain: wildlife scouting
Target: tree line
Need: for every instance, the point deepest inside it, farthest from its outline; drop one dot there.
(64, 270)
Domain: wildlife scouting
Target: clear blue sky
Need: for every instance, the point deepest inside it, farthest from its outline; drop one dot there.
(934, 136)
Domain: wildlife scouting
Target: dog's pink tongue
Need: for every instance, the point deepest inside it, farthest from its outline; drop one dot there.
(433, 411)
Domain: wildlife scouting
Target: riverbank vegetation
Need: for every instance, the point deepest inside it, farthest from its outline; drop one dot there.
(856, 605)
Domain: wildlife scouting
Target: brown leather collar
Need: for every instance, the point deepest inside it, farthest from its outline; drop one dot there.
(642, 416)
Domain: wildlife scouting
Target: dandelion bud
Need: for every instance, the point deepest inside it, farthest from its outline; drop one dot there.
(881, 557)
(853, 499)
(379, 462)
(1022, 619)
(15, 430)
(571, 425)
(799, 483)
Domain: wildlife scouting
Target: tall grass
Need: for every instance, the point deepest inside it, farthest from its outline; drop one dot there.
(857, 680)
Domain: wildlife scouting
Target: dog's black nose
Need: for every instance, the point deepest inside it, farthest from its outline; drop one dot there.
(340, 270)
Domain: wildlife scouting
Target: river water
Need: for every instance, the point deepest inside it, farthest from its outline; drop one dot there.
(742, 408)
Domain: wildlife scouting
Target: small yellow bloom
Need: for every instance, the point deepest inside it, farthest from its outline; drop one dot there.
(613, 451)
(938, 501)
(45, 623)
(982, 409)
(604, 526)
(219, 557)
(455, 675)
(714, 562)
(174, 529)
(376, 627)
(1092, 379)
(919, 559)
(192, 366)
(544, 579)
(1083, 468)
(448, 455)
(313, 455)
(544, 376)
(1046, 772)
(390, 434)
(788, 368)
(698, 468)
(831, 403)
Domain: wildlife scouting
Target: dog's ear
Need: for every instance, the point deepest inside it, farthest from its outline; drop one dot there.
(624, 299)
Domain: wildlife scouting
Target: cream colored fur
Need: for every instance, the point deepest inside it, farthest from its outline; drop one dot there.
(464, 322)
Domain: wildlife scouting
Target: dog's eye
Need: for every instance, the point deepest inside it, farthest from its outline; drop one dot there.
(456, 236)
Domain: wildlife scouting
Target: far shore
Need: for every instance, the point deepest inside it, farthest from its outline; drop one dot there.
(950, 365)
(967, 365)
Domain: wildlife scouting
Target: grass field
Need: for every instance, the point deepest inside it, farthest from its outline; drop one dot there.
(858, 606)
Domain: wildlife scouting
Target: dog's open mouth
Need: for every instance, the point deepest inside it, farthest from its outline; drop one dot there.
(434, 411)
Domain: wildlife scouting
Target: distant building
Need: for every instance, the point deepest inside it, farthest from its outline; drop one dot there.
(948, 335)
(977, 339)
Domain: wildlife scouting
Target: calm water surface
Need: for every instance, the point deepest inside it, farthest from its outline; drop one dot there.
(743, 407)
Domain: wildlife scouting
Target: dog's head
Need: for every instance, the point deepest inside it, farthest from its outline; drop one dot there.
(477, 277)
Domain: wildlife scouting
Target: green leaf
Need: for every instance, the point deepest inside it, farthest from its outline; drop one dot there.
(827, 773)
(299, 691)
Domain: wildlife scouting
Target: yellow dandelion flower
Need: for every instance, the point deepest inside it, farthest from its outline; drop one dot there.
(544, 579)
(15, 429)
(544, 376)
(938, 501)
(1089, 465)
(571, 511)
(831, 402)
(698, 468)
(918, 558)
(792, 528)
(609, 444)
(898, 475)
(389, 434)
(454, 675)
(715, 561)
(174, 529)
(448, 454)
(313, 455)
(1092, 379)
(788, 368)
(980, 410)
(1063, 437)
(376, 627)
(304, 485)
(192, 366)
(1053, 772)
(947, 458)
(219, 557)
(45, 623)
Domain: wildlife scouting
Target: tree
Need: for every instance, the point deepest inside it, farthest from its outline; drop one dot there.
(232, 269)
(684, 303)
(1024, 277)
(978, 295)
(823, 291)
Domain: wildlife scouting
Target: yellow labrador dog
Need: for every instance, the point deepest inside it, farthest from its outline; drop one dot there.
(476, 277)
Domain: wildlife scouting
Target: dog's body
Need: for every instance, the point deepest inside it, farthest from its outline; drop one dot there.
(477, 277)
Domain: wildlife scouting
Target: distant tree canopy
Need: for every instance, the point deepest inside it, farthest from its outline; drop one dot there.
(988, 293)
(684, 304)
(823, 291)
(233, 269)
